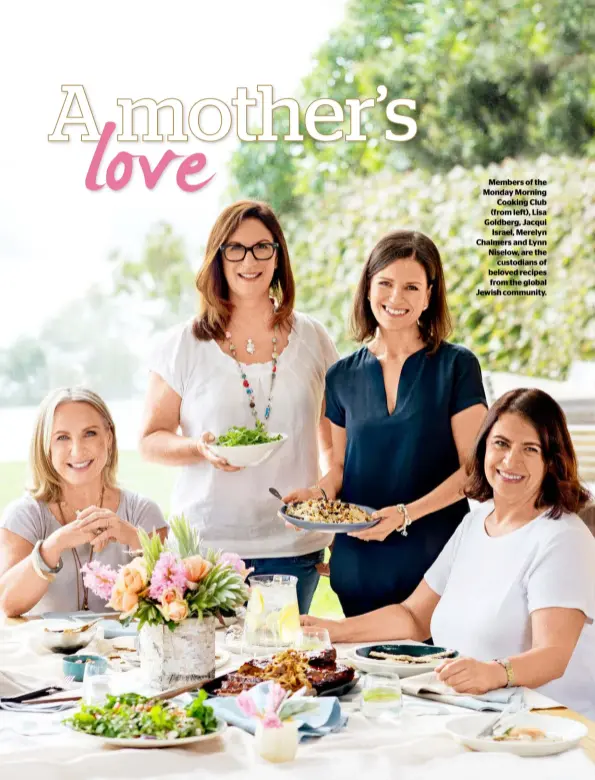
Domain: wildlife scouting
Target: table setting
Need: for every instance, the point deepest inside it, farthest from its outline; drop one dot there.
(170, 695)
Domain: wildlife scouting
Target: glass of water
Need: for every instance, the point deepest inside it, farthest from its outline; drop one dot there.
(381, 695)
(96, 682)
(312, 638)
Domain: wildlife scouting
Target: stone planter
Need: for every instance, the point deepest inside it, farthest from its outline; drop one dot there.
(179, 657)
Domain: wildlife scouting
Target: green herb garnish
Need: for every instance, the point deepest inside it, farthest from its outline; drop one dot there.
(132, 716)
(241, 437)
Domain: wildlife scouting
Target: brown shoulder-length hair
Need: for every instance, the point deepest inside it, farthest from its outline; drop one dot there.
(435, 323)
(561, 488)
(215, 306)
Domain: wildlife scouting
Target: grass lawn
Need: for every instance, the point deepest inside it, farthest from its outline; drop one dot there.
(156, 482)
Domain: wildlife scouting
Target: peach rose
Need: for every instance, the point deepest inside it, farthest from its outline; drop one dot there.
(129, 603)
(116, 600)
(171, 594)
(196, 568)
(134, 576)
(176, 610)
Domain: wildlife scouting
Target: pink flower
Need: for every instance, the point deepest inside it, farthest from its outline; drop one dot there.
(276, 695)
(271, 721)
(99, 578)
(246, 704)
(235, 562)
(169, 572)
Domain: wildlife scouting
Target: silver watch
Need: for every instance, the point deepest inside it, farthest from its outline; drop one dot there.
(41, 563)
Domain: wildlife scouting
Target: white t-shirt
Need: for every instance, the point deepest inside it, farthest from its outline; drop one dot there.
(234, 511)
(491, 585)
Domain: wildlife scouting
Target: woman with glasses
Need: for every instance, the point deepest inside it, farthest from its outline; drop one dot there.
(405, 410)
(248, 357)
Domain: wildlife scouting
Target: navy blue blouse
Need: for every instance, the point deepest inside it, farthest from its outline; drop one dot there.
(395, 459)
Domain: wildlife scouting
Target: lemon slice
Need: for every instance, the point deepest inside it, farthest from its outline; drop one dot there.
(256, 603)
(289, 622)
(272, 621)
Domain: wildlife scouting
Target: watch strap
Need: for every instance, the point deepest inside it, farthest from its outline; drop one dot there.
(507, 666)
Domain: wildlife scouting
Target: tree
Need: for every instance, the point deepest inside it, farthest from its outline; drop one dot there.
(509, 78)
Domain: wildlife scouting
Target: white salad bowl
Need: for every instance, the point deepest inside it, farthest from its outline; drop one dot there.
(250, 454)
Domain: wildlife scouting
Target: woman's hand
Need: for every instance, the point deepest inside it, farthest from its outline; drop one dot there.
(219, 463)
(108, 527)
(466, 675)
(390, 520)
(75, 534)
(333, 626)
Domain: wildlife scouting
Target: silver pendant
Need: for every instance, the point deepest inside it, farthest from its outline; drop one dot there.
(250, 347)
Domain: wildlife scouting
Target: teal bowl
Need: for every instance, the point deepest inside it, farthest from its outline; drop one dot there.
(74, 665)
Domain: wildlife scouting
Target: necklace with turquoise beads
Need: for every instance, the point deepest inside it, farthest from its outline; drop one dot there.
(246, 383)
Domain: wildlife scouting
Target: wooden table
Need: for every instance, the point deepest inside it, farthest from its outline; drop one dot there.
(588, 743)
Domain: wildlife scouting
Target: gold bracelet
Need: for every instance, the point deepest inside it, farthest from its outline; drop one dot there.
(403, 510)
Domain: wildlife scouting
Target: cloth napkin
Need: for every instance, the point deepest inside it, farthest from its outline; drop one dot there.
(428, 686)
(326, 719)
(15, 683)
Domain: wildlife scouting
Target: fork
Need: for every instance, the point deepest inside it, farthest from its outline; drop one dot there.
(488, 730)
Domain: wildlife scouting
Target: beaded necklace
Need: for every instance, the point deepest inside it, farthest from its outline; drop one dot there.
(246, 383)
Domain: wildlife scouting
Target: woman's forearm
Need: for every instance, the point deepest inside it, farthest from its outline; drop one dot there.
(392, 622)
(447, 493)
(170, 449)
(332, 482)
(21, 588)
(539, 666)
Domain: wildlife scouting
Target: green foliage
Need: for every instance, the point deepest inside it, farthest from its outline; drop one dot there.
(187, 537)
(331, 240)
(152, 547)
(509, 78)
(220, 589)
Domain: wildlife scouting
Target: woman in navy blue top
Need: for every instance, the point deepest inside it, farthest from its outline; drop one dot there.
(405, 410)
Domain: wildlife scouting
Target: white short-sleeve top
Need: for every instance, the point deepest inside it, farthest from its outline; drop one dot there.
(234, 511)
(489, 586)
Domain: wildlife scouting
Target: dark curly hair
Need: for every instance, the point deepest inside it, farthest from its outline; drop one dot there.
(561, 488)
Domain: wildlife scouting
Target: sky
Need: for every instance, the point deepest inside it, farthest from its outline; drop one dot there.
(55, 235)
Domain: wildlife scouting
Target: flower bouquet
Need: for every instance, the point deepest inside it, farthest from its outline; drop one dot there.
(176, 594)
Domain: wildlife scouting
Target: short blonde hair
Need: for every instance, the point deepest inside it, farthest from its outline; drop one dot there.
(46, 482)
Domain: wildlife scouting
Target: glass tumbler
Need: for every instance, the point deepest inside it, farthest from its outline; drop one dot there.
(381, 695)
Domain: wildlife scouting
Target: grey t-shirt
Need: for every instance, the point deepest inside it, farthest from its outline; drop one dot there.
(33, 521)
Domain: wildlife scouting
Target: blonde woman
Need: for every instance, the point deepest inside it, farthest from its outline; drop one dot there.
(75, 513)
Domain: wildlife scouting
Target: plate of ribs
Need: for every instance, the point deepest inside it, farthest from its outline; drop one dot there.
(317, 671)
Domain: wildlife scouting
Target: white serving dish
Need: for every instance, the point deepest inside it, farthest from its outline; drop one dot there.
(464, 729)
(249, 455)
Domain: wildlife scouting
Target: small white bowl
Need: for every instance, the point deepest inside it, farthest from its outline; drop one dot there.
(569, 733)
(248, 455)
(50, 635)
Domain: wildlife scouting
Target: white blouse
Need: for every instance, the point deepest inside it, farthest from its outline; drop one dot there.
(234, 511)
(489, 586)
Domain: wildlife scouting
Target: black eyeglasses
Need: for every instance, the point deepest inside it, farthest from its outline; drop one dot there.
(235, 253)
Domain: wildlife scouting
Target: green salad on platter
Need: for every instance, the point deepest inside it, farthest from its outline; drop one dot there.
(132, 716)
(242, 437)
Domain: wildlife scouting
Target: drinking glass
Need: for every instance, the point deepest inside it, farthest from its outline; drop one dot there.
(272, 615)
(313, 638)
(96, 682)
(381, 695)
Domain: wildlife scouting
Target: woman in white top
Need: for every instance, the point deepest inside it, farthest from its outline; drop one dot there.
(514, 589)
(248, 356)
(74, 514)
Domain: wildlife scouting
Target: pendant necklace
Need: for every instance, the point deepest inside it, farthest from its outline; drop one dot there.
(250, 348)
(77, 560)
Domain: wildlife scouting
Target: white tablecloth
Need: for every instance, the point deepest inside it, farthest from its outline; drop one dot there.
(417, 747)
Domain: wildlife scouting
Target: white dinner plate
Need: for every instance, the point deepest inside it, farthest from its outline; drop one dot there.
(569, 733)
(390, 668)
(153, 743)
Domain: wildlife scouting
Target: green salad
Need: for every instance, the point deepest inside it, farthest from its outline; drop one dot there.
(132, 716)
(240, 437)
